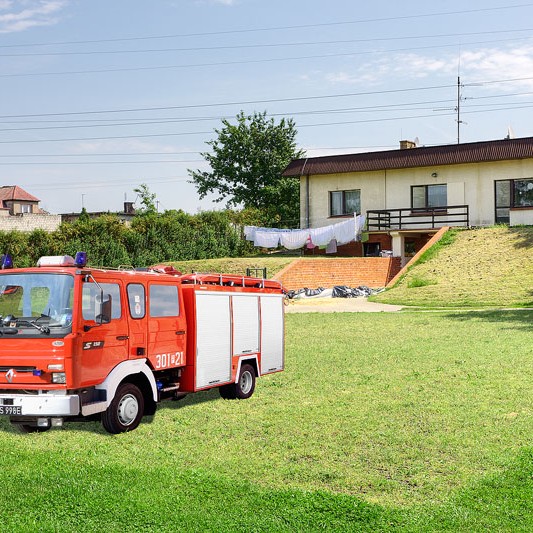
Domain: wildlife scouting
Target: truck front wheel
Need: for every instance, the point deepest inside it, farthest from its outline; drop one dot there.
(125, 411)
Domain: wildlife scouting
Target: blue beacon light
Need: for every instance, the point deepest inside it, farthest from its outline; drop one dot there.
(6, 261)
(80, 259)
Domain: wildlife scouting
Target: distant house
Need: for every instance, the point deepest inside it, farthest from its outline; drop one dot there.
(14, 200)
(407, 194)
(125, 216)
(19, 210)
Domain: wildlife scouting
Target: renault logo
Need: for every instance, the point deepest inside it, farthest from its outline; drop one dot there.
(10, 374)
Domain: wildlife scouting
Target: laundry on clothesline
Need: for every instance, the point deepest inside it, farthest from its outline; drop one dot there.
(327, 236)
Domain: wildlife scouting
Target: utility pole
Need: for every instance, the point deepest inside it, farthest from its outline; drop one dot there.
(458, 109)
(82, 203)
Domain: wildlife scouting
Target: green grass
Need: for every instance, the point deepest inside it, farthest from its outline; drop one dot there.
(490, 267)
(413, 421)
(236, 265)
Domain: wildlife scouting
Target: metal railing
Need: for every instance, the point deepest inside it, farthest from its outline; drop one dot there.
(410, 218)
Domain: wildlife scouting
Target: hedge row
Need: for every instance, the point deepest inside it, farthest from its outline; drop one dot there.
(150, 239)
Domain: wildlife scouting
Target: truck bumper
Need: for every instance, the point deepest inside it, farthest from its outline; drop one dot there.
(39, 404)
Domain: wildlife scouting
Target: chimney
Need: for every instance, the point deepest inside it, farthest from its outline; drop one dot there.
(407, 145)
(128, 208)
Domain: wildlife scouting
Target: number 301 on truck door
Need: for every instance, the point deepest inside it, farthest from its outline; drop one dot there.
(168, 360)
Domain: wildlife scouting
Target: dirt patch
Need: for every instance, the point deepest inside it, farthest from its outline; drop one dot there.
(338, 305)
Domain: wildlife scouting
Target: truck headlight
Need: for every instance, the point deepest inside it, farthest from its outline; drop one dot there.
(59, 377)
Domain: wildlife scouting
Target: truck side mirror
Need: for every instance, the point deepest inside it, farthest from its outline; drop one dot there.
(103, 312)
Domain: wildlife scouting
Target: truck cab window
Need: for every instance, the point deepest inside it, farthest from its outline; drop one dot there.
(35, 295)
(91, 295)
(136, 300)
(164, 300)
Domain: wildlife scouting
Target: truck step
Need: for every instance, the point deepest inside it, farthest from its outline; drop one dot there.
(168, 389)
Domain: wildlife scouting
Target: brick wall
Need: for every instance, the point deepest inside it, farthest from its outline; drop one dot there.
(316, 272)
(29, 222)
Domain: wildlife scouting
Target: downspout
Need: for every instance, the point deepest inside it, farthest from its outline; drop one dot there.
(307, 206)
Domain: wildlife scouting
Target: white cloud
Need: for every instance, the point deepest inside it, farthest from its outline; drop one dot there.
(485, 64)
(20, 15)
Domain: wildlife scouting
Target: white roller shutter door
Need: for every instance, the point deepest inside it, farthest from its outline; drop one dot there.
(245, 324)
(213, 339)
(272, 333)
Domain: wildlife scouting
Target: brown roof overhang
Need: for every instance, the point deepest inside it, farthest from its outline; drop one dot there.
(426, 156)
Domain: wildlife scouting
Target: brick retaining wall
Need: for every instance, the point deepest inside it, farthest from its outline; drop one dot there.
(316, 272)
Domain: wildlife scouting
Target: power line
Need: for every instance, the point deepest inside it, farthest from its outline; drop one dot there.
(242, 102)
(277, 28)
(265, 45)
(238, 62)
(163, 120)
(169, 120)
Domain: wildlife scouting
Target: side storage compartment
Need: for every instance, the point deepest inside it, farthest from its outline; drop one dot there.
(245, 324)
(213, 339)
(272, 333)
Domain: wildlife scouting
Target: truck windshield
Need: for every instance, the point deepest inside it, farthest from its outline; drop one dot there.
(31, 296)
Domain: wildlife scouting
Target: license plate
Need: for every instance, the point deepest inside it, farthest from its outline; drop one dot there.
(10, 409)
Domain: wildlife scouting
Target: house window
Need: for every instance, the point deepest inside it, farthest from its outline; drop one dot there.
(25, 208)
(512, 194)
(429, 196)
(344, 202)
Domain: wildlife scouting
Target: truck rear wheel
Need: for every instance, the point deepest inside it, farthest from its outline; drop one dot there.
(125, 411)
(244, 386)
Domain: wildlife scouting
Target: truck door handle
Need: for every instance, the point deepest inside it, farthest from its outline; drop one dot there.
(180, 332)
(122, 338)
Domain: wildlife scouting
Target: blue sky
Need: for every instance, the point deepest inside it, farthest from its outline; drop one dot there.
(100, 96)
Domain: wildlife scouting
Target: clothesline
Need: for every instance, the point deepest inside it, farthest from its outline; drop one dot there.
(292, 239)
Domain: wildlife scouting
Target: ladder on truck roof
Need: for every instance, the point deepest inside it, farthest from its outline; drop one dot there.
(230, 280)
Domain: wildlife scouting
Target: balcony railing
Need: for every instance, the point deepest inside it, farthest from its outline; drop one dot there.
(409, 218)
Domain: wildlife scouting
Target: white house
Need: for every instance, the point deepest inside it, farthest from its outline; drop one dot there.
(407, 194)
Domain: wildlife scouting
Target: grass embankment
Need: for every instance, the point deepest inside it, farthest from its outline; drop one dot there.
(418, 422)
(236, 265)
(471, 268)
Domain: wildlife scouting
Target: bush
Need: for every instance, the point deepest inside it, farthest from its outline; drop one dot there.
(152, 238)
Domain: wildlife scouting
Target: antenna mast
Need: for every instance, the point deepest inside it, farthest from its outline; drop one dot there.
(458, 109)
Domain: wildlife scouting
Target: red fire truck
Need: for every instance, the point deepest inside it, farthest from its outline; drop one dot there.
(79, 343)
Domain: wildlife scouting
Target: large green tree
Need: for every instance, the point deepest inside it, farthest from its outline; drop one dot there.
(246, 162)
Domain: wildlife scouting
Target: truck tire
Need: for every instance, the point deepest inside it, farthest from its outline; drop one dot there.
(125, 411)
(244, 386)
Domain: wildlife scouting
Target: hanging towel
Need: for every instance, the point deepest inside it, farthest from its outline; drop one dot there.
(331, 248)
(292, 240)
(249, 232)
(267, 239)
(345, 231)
(359, 225)
(322, 236)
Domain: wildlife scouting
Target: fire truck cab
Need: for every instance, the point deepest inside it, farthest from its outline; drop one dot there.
(79, 343)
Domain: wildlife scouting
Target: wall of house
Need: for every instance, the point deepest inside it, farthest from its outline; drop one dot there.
(471, 184)
(30, 222)
(372, 185)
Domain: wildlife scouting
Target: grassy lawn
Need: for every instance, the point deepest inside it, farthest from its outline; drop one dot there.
(237, 265)
(408, 421)
(474, 268)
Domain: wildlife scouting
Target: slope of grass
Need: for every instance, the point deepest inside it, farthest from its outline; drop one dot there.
(236, 265)
(414, 421)
(481, 267)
